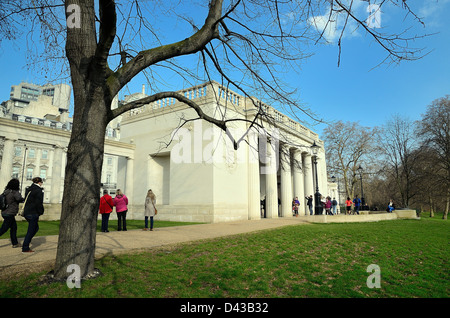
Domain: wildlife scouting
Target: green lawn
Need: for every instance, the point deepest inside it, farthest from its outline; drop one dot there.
(318, 260)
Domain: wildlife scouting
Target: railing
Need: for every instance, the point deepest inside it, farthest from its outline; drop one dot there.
(222, 94)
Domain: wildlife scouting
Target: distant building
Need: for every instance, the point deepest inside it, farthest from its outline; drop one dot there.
(35, 130)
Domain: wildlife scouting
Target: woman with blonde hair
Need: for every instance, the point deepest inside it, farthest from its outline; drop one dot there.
(150, 209)
(121, 204)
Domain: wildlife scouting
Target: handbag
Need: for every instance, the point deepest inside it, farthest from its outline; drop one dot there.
(156, 211)
(23, 206)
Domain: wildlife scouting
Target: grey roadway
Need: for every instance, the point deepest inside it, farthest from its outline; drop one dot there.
(116, 242)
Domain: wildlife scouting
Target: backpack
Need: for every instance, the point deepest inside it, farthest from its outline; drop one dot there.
(3, 204)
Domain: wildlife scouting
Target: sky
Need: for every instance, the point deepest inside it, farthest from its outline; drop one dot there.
(359, 89)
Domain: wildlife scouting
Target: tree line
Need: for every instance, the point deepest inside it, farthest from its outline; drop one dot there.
(405, 160)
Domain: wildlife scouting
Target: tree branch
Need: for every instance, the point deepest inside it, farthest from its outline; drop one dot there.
(107, 30)
(190, 45)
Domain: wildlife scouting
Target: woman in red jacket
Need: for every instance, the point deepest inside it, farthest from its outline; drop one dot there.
(348, 204)
(106, 207)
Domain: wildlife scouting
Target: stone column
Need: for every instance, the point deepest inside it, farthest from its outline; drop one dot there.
(286, 182)
(55, 191)
(299, 188)
(270, 170)
(7, 161)
(308, 175)
(254, 193)
(37, 163)
(322, 170)
(129, 179)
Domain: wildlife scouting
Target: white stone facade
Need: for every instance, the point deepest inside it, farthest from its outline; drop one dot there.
(196, 174)
(189, 164)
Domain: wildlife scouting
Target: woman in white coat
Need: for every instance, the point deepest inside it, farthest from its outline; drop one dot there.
(150, 209)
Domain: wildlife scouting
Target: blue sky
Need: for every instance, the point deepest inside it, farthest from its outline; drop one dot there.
(357, 90)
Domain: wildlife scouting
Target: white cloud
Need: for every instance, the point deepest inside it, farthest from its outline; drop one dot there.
(430, 11)
(331, 24)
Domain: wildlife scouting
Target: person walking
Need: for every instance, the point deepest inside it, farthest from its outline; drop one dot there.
(348, 204)
(34, 207)
(357, 203)
(334, 205)
(309, 203)
(13, 198)
(105, 209)
(121, 204)
(150, 209)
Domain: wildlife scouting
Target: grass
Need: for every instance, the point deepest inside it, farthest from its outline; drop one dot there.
(319, 260)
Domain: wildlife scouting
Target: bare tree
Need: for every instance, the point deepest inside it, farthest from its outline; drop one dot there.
(348, 145)
(435, 129)
(247, 44)
(399, 144)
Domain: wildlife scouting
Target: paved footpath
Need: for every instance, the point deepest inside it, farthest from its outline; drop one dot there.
(120, 242)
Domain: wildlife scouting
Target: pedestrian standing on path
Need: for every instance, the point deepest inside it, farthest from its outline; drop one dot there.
(150, 209)
(328, 206)
(105, 209)
(295, 205)
(334, 205)
(310, 204)
(13, 198)
(33, 208)
(121, 204)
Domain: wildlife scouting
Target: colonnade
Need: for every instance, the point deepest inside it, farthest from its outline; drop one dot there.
(287, 175)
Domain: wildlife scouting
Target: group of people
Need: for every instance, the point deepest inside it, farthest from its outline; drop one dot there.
(33, 207)
(328, 204)
(356, 202)
(120, 201)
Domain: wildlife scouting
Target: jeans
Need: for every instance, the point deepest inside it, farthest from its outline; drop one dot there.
(310, 209)
(122, 220)
(105, 219)
(334, 209)
(33, 227)
(9, 222)
(151, 222)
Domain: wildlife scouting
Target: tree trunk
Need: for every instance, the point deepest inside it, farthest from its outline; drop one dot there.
(92, 100)
(447, 206)
(431, 207)
(77, 234)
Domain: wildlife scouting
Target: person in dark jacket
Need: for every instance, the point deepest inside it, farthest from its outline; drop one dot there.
(13, 198)
(34, 207)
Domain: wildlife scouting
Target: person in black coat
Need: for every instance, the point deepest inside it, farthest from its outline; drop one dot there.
(13, 198)
(34, 207)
